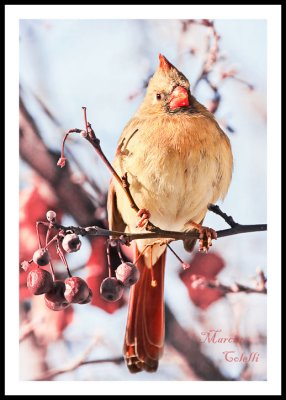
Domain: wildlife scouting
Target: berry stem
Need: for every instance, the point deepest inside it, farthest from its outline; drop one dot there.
(38, 234)
(153, 280)
(62, 160)
(52, 270)
(63, 145)
(175, 254)
(51, 241)
(141, 254)
(119, 253)
(62, 257)
(48, 234)
(110, 271)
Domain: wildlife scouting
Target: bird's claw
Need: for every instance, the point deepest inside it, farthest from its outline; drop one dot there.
(144, 215)
(205, 238)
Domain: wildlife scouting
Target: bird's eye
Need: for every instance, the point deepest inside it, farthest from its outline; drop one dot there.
(158, 96)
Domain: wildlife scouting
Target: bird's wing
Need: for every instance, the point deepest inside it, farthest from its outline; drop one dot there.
(115, 219)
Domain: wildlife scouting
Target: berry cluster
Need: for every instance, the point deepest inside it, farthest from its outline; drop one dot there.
(112, 288)
(58, 294)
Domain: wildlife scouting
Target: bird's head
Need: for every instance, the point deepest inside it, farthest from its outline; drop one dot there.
(168, 89)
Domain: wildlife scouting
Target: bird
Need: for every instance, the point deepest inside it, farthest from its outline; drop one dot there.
(178, 161)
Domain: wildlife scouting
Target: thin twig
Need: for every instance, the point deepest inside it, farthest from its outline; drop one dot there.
(203, 282)
(53, 373)
(71, 366)
(213, 56)
(95, 142)
(228, 219)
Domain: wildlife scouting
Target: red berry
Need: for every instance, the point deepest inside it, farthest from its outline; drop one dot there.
(76, 290)
(88, 299)
(41, 257)
(39, 281)
(127, 273)
(71, 243)
(111, 289)
(55, 299)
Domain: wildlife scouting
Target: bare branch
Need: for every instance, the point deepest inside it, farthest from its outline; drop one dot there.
(78, 362)
(53, 373)
(189, 347)
(201, 281)
(33, 150)
(228, 219)
(27, 328)
(90, 136)
(158, 234)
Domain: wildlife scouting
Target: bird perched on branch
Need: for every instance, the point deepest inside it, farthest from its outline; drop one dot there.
(177, 160)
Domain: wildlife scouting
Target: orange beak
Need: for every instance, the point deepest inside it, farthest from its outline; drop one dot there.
(179, 98)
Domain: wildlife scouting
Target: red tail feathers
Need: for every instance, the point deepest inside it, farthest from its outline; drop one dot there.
(145, 330)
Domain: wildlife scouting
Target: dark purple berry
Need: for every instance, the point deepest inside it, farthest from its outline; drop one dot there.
(41, 257)
(111, 289)
(76, 289)
(127, 273)
(88, 299)
(39, 281)
(55, 299)
(71, 243)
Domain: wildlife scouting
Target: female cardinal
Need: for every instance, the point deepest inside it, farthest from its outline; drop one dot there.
(177, 161)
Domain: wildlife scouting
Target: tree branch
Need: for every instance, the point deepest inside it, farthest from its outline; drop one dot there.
(202, 281)
(158, 234)
(55, 372)
(33, 150)
(190, 349)
(90, 136)
(78, 362)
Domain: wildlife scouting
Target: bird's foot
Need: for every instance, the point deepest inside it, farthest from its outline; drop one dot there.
(206, 235)
(144, 216)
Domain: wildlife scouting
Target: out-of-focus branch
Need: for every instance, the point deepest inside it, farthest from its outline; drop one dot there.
(203, 282)
(212, 61)
(43, 161)
(190, 349)
(55, 372)
(78, 362)
(212, 53)
(187, 346)
(27, 328)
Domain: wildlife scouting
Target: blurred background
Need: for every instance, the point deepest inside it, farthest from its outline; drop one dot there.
(105, 65)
